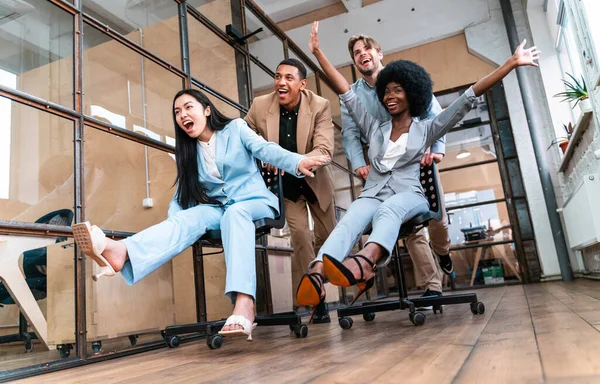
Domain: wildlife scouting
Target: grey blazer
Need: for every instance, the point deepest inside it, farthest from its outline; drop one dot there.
(404, 176)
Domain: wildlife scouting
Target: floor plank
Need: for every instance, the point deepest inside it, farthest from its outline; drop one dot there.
(539, 333)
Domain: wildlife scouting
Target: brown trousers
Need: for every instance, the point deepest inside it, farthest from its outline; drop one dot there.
(296, 214)
(427, 271)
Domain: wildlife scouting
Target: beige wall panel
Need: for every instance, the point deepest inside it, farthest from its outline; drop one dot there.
(448, 61)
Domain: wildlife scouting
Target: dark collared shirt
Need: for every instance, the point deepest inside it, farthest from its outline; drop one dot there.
(293, 187)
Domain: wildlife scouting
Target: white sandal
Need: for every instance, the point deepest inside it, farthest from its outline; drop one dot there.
(247, 326)
(92, 242)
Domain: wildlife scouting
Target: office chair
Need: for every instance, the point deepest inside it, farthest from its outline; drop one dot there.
(430, 187)
(213, 237)
(34, 269)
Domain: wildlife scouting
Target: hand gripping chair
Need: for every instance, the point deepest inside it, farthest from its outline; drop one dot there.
(430, 187)
(210, 329)
(34, 269)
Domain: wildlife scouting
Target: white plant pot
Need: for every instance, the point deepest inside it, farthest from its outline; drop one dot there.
(585, 105)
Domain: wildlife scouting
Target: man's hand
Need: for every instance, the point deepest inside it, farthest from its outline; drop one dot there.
(313, 41)
(363, 171)
(429, 157)
(273, 169)
(309, 164)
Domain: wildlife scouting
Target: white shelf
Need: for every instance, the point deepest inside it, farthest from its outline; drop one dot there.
(582, 125)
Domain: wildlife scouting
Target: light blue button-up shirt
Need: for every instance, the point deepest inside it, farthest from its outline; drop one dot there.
(368, 97)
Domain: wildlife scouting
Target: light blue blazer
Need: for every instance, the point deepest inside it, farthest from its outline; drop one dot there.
(237, 148)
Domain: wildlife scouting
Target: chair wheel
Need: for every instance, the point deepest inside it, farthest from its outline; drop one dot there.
(214, 341)
(477, 308)
(345, 322)
(64, 350)
(96, 346)
(292, 327)
(369, 316)
(438, 308)
(301, 331)
(173, 341)
(417, 318)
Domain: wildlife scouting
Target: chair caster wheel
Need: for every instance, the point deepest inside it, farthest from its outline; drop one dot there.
(477, 308)
(417, 318)
(64, 350)
(437, 309)
(369, 316)
(301, 331)
(96, 347)
(345, 322)
(214, 341)
(292, 327)
(173, 341)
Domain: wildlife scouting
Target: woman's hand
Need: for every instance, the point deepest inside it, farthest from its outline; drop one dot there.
(309, 164)
(313, 41)
(526, 56)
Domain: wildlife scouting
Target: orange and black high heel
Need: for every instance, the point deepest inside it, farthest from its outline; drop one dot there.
(339, 275)
(310, 290)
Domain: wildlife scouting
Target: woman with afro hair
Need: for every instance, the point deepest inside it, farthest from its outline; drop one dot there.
(392, 193)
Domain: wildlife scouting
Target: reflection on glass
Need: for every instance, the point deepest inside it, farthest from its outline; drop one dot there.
(115, 182)
(265, 45)
(212, 60)
(153, 25)
(45, 266)
(36, 162)
(124, 315)
(222, 106)
(36, 40)
(482, 223)
(262, 82)
(468, 146)
(217, 11)
(486, 265)
(506, 138)
(124, 89)
(476, 115)
(484, 177)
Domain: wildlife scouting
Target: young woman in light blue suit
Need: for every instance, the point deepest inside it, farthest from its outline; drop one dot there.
(392, 193)
(219, 186)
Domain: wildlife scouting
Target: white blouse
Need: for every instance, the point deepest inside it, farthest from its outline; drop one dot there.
(394, 150)
(209, 155)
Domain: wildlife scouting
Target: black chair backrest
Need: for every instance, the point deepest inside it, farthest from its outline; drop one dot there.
(429, 183)
(430, 186)
(274, 183)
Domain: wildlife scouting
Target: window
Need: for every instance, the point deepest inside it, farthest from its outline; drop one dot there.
(568, 56)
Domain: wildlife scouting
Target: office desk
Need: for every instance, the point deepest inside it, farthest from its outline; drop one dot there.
(481, 252)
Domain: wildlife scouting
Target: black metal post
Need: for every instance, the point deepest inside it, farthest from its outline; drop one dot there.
(536, 127)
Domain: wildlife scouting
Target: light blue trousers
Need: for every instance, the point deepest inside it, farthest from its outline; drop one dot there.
(387, 215)
(153, 247)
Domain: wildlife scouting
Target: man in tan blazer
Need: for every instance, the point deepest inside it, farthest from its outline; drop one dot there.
(300, 121)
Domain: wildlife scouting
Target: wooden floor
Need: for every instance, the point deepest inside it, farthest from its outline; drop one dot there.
(542, 333)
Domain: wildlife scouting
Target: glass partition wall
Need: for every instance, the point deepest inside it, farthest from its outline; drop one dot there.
(87, 133)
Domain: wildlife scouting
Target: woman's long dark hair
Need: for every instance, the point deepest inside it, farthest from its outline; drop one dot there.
(189, 189)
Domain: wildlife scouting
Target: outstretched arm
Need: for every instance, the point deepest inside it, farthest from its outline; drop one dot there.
(339, 81)
(459, 108)
(521, 57)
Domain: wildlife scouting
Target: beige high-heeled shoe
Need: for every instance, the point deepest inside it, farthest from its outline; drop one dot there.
(247, 327)
(92, 242)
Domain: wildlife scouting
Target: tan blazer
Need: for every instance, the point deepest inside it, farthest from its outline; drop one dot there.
(314, 134)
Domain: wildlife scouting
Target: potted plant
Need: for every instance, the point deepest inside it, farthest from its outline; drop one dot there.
(576, 91)
(563, 141)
